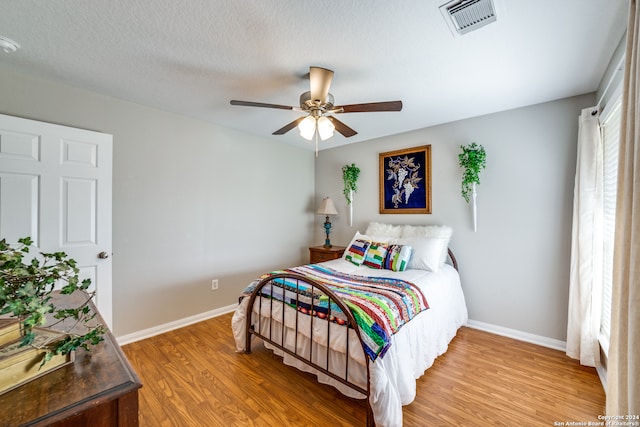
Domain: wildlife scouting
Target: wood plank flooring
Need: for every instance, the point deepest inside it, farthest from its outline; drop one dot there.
(194, 377)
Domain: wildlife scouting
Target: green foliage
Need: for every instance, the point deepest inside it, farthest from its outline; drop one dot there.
(473, 159)
(25, 293)
(350, 175)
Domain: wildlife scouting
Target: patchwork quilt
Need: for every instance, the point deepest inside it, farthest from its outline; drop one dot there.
(380, 305)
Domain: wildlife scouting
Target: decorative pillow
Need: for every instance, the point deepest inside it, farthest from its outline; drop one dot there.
(427, 252)
(386, 230)
(360, 236)
(398, 257)
(357, 251)
(376, 254)
(433, 231)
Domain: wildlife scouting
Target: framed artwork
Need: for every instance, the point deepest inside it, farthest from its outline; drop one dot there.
(405, 181)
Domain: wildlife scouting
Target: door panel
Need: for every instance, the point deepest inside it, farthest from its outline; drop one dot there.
(19, 206)
(21, 146)
(79, 212)
(80, 153)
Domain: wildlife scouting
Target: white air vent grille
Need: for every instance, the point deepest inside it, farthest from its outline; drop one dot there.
(464, 16)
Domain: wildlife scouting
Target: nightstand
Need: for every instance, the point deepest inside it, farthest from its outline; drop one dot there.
(320, 253)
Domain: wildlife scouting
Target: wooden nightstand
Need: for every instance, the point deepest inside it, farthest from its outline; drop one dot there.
(320, 253)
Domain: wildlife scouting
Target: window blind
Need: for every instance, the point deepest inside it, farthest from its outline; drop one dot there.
(611, 143)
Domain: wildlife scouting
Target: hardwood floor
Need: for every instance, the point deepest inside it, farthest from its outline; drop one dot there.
(194, 377)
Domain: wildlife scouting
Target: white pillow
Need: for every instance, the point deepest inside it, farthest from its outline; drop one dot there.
(427, 252)
(426, 231)
(380, 229)
(432, 231)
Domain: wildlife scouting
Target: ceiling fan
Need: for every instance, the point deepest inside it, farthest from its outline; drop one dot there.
(319, 108)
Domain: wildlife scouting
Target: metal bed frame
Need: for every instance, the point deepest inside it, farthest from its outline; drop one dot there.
(253, 327)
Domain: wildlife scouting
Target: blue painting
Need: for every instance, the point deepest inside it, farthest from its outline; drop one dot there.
(405, 181)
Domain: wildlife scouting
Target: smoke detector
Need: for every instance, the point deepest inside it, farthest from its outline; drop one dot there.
(8, 45)
(464, 16)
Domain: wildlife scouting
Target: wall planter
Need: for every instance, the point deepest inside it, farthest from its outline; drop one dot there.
(473, 159)
(350, 175)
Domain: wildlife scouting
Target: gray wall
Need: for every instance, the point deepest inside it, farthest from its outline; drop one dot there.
(515, 268)
(191, 201)
(188, 208)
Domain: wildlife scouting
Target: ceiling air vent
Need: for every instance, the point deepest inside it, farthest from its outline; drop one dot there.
(464, 16)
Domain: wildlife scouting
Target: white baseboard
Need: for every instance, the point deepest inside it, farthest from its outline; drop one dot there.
(602, 374)
(176, 324)
(487, 327)
(518, 335)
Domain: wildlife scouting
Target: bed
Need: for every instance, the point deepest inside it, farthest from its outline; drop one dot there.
(375, 352)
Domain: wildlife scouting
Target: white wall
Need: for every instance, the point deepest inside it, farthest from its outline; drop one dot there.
(515, 268)
(191, 201)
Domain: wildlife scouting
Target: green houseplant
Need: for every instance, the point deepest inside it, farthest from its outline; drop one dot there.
(26, 286)
(473, 159)
(350, 175)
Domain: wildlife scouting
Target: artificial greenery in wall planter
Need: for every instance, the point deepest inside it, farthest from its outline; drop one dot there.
(473, 159)
(350, 175)
(26, 288)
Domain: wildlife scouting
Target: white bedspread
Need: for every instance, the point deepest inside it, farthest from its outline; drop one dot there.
(414, 347)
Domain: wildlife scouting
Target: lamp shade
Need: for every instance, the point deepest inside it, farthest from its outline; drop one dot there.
(327, 207)
(307, 127)
(325, 128)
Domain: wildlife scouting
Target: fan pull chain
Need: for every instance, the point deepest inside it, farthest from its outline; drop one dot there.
(316, 142)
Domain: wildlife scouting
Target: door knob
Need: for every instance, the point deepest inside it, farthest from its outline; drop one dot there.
(103, 255)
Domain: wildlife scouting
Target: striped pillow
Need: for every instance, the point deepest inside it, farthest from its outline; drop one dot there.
(398, 257)
(376, 255)
(357, 251)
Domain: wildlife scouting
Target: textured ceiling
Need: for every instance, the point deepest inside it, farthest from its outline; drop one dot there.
(192, 57)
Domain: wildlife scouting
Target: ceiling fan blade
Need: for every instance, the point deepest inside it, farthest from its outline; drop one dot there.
(320, 79)
(289, 126)
(345, 130)
(260, 104)
(370, 107)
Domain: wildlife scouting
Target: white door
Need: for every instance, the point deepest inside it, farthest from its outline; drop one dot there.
(55, 186)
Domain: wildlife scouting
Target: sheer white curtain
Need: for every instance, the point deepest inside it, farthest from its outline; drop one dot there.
(585, 281)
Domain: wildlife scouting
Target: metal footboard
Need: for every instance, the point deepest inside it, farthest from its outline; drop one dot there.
(254, 327)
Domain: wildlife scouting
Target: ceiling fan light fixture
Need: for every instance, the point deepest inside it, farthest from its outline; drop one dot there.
(318, 105)
(325, 128)
(307, 127)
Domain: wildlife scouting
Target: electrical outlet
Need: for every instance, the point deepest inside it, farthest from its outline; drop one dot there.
(214, 285)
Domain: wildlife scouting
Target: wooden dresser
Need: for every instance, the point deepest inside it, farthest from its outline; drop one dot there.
(321, 253)
(99, 389)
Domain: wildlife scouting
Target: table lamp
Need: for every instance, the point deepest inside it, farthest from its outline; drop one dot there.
(327, 208)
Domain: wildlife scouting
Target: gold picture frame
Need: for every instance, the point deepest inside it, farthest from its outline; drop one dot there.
(405, 181)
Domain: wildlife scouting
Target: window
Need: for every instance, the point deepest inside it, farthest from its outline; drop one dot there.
(610, 128)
